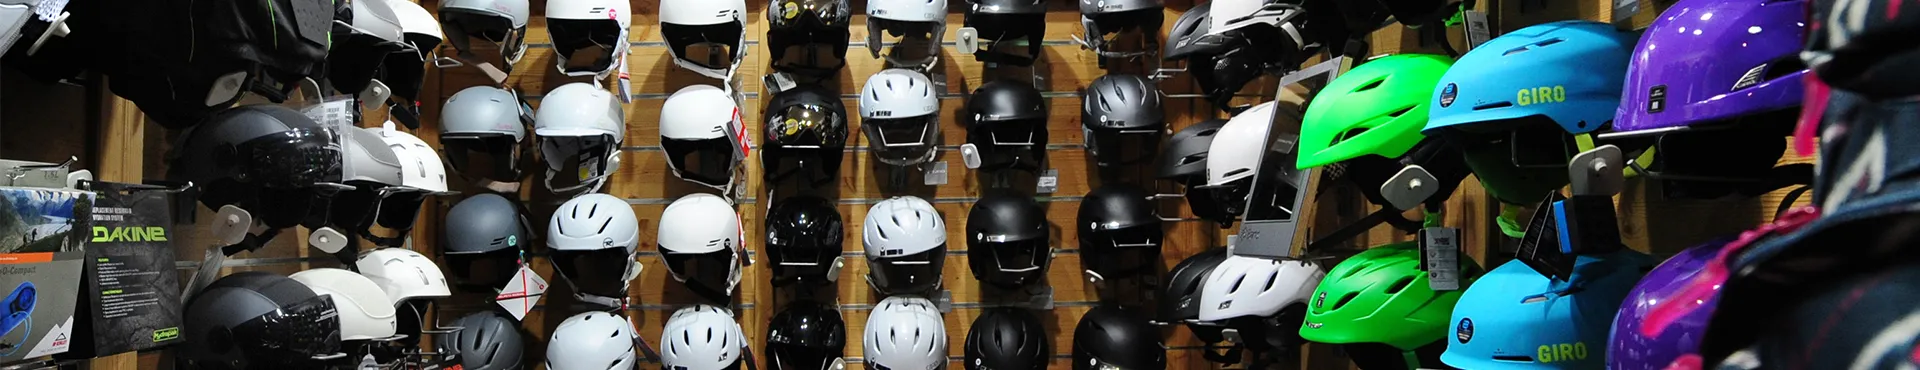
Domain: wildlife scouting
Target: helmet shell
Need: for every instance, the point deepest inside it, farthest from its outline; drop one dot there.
(593, 222)
(1721, 59)
(1008, 240)
(485, 110)
(365, 312)
(1182, 299)
(1236, 151)
(1378, 108)
(484, 223)
(1006, 100)
(1185, 158)
(1573, 77)
(1122, 102)
(1094, 7)
(805, 127)
(1631, 350)
(420, 165)
(1497, 322)
(698, 112)
(403, 274)
(904, 229)
(905, 332)
(1112, 335)
(804, 236)
(702, 337)
(230, 303)
(1007, 338)
(1186, 30)
(487, 340)
(898, 93)
(515, 12)
(908, 10)
(580, 109)
(1256, 287)
(805, 335)
(592, 341)
(1382, 296)
(1007, 7)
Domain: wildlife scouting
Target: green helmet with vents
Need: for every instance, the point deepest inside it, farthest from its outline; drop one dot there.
(1381, 296)
(1377, 108)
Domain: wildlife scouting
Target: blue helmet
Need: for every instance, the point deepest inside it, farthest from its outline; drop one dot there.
(1515, 318)
(1570, 72)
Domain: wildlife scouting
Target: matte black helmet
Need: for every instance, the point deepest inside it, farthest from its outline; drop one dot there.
(487, 340)
(189, 70)
(1009, 126)
(1123, 119)
(1008, 241)
(806, 335)
(1006, 338)
(1185, 160)
(1243, 58)
(814, 32)
(804, 235)
(258, 320)
(1120, 234)
(1105, 21)
(484, 235)
(1181, 301)
(267, 159)
(1186, 30)
(806, 130)
(1004, 26)
(1111, 337)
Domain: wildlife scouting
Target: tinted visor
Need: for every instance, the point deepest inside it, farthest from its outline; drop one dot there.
(383, 215)
(785, 357)
(814, 166)
(483, 272)
(463, 29)
(707, 161)
(308, 206)
(587, 46)
(813, 51)
(919, 272)
(902, 141)
(710, 46)
(787, 14)
(305, 329)
(600, 272)
(799, 258)
(1004, 145)
(294, 158)
(1122, 251)
(1123, 147)
(714, 270)
(491, 157)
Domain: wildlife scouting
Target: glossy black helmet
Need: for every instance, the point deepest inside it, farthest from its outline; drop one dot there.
(1008, 126)
(806, 335)
(803, 237)
(1110, 337)
(812, 32)
(1119, 231)
(1007, 339)
(258, 320)
(1008, 242)
(806, 130)
(268, 159)
(1010, 31)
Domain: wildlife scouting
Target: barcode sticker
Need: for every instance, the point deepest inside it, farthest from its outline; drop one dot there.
(936, 173)
(1049, 182)
(1440, 249)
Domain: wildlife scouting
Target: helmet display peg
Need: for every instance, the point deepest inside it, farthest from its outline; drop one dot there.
(1598, 172)
(1410, 187)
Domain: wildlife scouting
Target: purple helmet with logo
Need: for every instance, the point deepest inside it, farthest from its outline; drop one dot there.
(1713, 60)
(1628, 349)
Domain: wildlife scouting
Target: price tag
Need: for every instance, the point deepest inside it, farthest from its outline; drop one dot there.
(935, 174)
(589, 167)
(1540, 247)
(520, 294)
(1049, 182)
(1588, 225)
(336, 111)
(740, 134)
(1478, 32)
(1440, 254)
(779, 81)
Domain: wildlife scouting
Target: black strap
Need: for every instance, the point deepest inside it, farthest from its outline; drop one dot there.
(1383, 215)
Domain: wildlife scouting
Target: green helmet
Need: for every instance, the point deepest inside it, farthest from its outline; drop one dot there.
(1377, 108)
(1381, 296)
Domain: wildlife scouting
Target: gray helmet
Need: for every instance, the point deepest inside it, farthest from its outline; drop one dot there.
(1100, 18)
(484, 236)
(257, 320)
(1122, 118)
(486, 340)
(485, 121)
(369, 159)
(503, 22)
(1186, 30)
(1185, 159)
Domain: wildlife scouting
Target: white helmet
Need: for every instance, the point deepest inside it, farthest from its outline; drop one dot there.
(354, 58)
(503, 22)
(404, 71)
(906, 245)
(1236, 149)
(590, 36)
(364, 310)
(1256, 287)
(580, 121)
(700, 239)
(1231, 15)
(420, 165)
(709, 23)
(594, 238)
(416, 21)
(592, 341)
(899, 113)
(905, 332)
(908, 19)
(702, 337)
(405, 275)
(702, 123)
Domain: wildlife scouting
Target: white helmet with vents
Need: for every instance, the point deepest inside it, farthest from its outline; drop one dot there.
(594, 238)
(905, 332)
(906, 245)
(702, 337)
(899, 112)
(592, 341)
(1256, 287)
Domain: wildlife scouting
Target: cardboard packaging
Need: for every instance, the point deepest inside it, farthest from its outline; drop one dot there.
(42, 231)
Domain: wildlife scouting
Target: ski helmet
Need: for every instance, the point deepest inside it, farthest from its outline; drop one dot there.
(1107, 22)
(420, 165)
(594, 238)
(483, 130)
(1008, 126)
(484, 236)
(700, 241)
(590, 37)
(914, 22)
(1123, 119)
(592, 341)
(1120, 234)
(364, 311)
(701, 131)
(905, 332)
(403, 72)
(1112, 337)
(267, 159)
(700, 31)
(580, 123)
(806, 130)
(814, 31)
(1007, 338)
(411, 282)
(1004, 25)
(1382, 297)
(906, 245)
(899, 112)
(1181, 303)
(1185, 161)
(182, 72)
(702, 337)
(803, 239)
(257, 319)
(501, 22)
(1008, 241)
(487, 340)
(366, 31)
(1630, 348)
(1243, 293)
(806, 335)
(1240, 150)
(1377, 108)
(382, 212)
(1496, 323)
(1188, 29)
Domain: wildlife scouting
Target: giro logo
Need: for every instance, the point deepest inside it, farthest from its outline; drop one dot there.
(881, 113)
(1541, 95)
(1314, 325)
(1561, 352)
(1225, 305)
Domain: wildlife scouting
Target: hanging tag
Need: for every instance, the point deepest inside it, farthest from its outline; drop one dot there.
(1478, 32)
(1048, 183)
(519, 296)
(778, 81)
(968, 40)
(740, 134)
(335, 111)
(970, 155)
(935, 174)
(1623, 10)
(833, 271)
(1540, 248)
(1587, 225)
(1440, 254)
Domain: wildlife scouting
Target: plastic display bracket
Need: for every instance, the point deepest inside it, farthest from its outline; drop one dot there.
(1410, 188)
(1597, 172)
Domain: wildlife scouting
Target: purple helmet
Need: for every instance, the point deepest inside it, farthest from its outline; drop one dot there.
(1628, 349)
(1711, 60)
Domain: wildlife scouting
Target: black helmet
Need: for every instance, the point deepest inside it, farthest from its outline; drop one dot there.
(1185, 161)
(258, 320)
(1110, 337)
(1008, 241)
(1186, 30)
(266, 159)
(1009, 126)
(1100, 18)
(803, 237)
(1120, 234)
(806, 131)
(1003, 25)
(806, 335)
(484, 235)
(1123, 119)
(229, 48)
(1007, 338)
(363, 34)
(816, 30)
(486, 340)
(1181, 303)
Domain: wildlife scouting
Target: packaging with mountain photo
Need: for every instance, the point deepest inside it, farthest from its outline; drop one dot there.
(42, 232)
(131, 287)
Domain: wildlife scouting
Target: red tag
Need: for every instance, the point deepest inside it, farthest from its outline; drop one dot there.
(740, 134)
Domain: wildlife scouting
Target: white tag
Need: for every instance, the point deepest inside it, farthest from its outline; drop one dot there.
(833, 272)
(1623, 10)
(335, 112)
(779, 81)
(519, 296)
(936, 173)
(48, 9)
(327, 240)
(968, 40)
(970, 155)
(1441, 248)
(1049, 182)
(1477, 29)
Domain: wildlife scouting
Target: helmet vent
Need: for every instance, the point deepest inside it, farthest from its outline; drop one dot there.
(1397, 113)
(1351, 133)
(1271, 278)
(1371, 84)
(1493, 105)
(1344, 299)
(1400, 285)
(1511, 358)
(1209, 132)
(1236, 286)
(1237, 172)
(603, 225)
(1191, 159)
